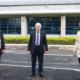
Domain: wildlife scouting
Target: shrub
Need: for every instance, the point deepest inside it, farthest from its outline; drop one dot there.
(50, 40)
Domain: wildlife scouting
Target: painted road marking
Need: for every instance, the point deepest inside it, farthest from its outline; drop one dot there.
(47, 54)
(43, 67)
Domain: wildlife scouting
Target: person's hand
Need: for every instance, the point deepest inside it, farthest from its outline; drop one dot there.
(28, 52)
(74, 52)
(46, 52)
(2, 51)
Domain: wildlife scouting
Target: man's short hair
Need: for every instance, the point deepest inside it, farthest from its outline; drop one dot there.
(38, 23)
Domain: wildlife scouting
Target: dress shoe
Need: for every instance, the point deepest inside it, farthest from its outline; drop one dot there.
(32, 74)
(42, 75)
(78, 78)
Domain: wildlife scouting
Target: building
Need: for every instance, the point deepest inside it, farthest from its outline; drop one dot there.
(59, 18)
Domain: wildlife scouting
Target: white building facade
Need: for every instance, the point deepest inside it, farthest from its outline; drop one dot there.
(58, 20)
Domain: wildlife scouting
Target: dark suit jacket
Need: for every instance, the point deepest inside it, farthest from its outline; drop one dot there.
(2, 43)
(43, 42)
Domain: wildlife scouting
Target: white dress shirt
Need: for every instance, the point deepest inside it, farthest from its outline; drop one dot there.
(36, 38)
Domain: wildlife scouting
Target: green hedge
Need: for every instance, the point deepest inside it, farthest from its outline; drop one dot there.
(52, 40)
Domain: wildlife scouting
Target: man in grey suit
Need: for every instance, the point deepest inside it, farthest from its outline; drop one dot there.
(36, 46)
(2, 44)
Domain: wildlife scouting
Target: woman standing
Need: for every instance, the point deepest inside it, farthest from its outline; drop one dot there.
(77, 46)
(2, 44)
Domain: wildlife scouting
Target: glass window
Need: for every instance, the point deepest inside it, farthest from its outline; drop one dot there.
(50, 25)
(72, 25)
(10, 25)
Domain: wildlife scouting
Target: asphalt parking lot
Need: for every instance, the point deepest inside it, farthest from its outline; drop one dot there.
(58, 65)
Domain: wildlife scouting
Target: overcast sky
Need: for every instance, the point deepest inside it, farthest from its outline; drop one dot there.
(40, 0)
(18, 0)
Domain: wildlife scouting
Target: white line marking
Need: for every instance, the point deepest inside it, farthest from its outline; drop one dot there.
(58, 55)
(37, 67)
(51, 45)
(48, 54)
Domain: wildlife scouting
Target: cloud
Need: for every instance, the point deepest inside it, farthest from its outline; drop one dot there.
(13, 0)
(16, 0)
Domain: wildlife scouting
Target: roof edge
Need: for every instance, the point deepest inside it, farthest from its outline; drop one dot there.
(40, 4)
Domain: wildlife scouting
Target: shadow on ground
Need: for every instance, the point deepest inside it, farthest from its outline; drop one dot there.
(20, 73)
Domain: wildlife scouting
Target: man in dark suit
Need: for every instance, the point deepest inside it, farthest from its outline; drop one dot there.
(2, 44)
(78, 78)
(36, 46)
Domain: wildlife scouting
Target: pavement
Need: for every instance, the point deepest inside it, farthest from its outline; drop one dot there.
(50, 46)
(22, 73)
(59, 64)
